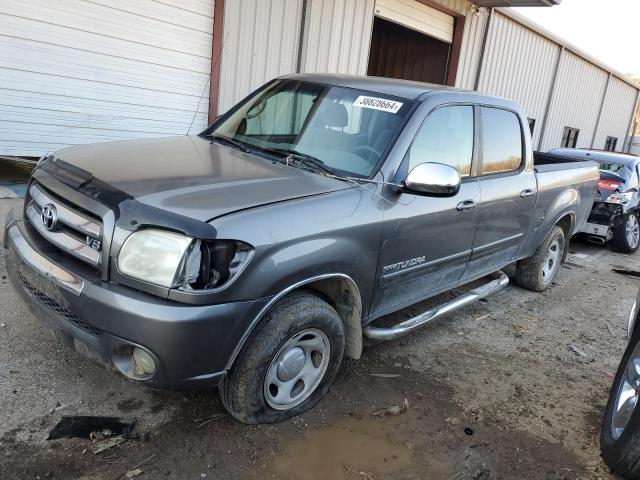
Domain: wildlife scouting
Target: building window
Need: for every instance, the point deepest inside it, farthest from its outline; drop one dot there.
(611, 144)
(532, 124)
(570, 137)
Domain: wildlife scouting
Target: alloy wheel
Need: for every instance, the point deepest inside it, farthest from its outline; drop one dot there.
(633, 231)
(627, 395)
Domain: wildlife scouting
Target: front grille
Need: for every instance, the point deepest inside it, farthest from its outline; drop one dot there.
(58, 309)
(65, 226)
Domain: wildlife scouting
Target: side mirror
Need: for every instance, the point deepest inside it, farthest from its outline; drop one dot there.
(434, 179)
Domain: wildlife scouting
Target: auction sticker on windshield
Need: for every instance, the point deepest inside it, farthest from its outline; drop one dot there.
(377, 104)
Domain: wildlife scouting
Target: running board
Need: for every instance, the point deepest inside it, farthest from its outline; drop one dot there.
(499, 281)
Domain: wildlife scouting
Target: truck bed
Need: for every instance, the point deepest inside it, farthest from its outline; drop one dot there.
(565, 186)
(548, 162)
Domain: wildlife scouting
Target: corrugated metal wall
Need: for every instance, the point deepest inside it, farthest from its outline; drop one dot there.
(576, 101)
(616, 113)
(260, 42)
(519, 64)
(74, 72)
(473, 35)
(337, 36)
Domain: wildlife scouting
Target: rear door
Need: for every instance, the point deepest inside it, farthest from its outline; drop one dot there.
(507, 191)
(427, 241)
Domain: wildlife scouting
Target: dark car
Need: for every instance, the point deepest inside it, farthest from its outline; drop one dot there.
(616, 205)
(257, 254)
(620, 433)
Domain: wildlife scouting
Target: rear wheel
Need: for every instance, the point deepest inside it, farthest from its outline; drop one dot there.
(620, 434)
(626, 236)
(538, 271)
(288, 363)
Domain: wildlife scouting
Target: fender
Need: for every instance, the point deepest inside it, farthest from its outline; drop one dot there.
(350, 324)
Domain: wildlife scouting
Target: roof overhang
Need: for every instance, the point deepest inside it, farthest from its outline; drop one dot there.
(516, 3)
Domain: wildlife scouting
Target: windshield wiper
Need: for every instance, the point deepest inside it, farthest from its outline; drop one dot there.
(312, 161)
(306, 159)
(229, 142)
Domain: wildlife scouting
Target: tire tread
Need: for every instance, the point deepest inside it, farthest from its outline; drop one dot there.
(243, 375)
(529, 270)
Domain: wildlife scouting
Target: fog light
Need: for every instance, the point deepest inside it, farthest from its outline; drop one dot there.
(143, 364)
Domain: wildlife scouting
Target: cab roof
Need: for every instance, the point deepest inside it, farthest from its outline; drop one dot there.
(390, 86)
(408, 89)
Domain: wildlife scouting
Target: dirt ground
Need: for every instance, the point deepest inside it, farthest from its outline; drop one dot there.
(512, 387)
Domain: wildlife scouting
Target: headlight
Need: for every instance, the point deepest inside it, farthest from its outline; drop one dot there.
(619, 197)
(173, 260)
(154, 256)
(215, 263)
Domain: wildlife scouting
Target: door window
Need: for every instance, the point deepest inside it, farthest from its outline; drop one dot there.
(501, 141)
(446, 136)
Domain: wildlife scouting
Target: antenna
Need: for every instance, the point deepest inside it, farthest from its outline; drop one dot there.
(195, 114)
(216, 62)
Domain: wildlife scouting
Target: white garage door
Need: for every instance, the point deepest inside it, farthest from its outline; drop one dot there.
(83, 71)
(417, 16)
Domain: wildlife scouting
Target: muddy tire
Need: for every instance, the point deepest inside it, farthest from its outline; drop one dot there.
(538, 271)
(626, 236)
(620, 433)
(288, 364)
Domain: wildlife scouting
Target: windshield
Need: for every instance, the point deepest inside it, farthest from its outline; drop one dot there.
(348, 130)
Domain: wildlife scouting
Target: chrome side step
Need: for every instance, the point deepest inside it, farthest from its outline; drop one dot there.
(499, 281)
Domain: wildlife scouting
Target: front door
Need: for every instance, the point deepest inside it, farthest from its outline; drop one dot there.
(427, 241)
(507, 192)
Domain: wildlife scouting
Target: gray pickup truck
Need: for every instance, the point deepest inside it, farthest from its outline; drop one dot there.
(255, 255)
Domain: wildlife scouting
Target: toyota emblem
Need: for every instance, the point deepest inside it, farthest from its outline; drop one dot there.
(49, 217)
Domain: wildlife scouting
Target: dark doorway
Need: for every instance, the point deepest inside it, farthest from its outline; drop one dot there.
(399, 52)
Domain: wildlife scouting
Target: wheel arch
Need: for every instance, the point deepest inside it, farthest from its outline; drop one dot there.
(567, 224)
(340, 290)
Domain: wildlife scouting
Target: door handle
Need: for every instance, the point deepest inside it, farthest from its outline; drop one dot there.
(527, 193)
(466, 205)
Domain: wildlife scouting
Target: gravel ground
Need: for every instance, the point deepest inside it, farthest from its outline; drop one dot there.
(512, 387)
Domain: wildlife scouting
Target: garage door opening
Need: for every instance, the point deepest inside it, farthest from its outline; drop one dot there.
(410, 40)
(399, 52)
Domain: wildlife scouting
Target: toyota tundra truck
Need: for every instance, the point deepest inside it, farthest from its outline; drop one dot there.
(257, 254)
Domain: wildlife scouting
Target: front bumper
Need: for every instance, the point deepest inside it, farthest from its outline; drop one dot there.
(191, 344)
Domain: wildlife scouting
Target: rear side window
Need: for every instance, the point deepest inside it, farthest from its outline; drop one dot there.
(501, 141)
(446, 136)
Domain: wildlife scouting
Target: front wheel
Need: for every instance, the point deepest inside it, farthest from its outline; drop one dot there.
(626, 236)
(620, 434)
(288, 363)
(538, 271)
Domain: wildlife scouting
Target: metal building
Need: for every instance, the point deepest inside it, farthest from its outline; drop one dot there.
(73, 71)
